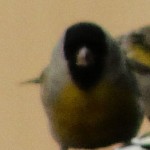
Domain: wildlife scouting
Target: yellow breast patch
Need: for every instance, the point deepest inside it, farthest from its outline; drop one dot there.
(76, 111)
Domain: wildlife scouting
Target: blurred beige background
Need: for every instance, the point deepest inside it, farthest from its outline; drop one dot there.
(29, 30)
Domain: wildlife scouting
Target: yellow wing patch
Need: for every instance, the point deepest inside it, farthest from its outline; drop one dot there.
(137, 53)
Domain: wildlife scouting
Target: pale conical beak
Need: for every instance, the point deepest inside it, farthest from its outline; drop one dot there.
(84, 57)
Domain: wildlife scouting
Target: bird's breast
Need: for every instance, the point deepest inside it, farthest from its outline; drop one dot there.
(79, 117)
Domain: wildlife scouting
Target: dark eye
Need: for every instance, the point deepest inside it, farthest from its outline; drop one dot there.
(137, 38)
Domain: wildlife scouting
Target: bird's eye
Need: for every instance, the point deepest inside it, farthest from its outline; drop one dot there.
(137, 37)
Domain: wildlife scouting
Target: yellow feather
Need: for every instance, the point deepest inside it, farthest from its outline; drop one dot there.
(137, 53)
(78, 114)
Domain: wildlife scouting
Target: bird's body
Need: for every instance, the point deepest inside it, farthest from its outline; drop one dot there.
(94, 102)
(136, 45)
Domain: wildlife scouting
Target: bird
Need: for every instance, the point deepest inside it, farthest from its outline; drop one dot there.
(136, 45)
(89, 94)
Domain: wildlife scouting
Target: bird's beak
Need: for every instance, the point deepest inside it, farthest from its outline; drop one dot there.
(84, 57)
